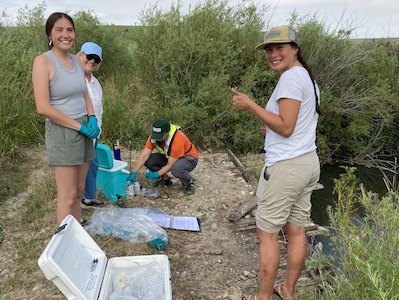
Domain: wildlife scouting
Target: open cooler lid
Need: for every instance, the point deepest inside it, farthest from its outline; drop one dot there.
(73, 261)
(104, 156)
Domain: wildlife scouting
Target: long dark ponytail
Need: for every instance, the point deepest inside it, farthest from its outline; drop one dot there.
(305, 65)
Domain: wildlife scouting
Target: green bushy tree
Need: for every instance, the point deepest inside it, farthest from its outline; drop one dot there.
(189, 62)
(358, 92)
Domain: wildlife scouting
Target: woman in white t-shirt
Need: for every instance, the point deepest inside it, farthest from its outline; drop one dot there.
(90, 57)
(292, 167)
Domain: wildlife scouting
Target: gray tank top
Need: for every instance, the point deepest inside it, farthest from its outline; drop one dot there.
(67, 88)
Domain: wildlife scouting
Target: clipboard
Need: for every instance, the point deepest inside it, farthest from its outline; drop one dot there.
(174, 222)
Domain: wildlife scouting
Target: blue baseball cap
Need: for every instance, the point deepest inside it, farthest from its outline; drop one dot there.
(92, 48)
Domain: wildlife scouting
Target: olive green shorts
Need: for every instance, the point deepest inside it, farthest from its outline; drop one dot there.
(67, 147)
(285, 196)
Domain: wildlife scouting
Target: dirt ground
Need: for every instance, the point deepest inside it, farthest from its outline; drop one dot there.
(216, 263)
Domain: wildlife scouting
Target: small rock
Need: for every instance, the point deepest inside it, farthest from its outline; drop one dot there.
(219, 251)
(4, 272)
(37, 287)
(184, 274)
(252, 275)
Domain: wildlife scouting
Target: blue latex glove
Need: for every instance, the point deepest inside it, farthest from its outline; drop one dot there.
(152, 175)
(94, 130)
(132, 177)
(83, 130)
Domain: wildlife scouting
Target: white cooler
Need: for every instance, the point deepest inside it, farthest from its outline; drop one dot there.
(79, 268)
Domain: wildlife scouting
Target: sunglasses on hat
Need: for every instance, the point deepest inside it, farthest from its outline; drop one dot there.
(97, 60)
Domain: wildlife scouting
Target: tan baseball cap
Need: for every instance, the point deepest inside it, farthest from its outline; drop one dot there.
(277, 35)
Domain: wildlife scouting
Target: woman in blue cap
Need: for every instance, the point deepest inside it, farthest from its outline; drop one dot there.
(292, 167)
(90, 57)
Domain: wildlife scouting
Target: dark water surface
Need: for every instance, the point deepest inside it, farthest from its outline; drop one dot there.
(372, 180)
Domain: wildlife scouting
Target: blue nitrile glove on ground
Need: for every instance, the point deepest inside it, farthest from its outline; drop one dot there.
(152, 175)
(94, 130)
(132, 177)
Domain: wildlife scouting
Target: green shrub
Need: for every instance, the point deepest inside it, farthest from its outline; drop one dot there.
(202, 55)
(366, 242)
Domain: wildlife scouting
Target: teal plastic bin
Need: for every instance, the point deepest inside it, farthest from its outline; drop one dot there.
(112, 174)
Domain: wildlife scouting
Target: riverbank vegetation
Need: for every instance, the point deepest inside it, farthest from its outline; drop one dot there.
(181, 66)
(365, 238)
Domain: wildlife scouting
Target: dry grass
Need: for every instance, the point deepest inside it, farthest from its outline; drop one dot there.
(28, 222)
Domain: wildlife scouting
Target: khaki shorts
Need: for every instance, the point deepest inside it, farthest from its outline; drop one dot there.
(67, 147)
(285, 196)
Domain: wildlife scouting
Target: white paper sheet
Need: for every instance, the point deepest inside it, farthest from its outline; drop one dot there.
(174, 222)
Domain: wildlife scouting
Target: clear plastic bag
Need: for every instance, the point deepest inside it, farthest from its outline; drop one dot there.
(131, 224)
(141, 282)
(150, 193)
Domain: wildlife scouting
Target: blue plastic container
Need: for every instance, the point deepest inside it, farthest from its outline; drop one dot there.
(112, 174)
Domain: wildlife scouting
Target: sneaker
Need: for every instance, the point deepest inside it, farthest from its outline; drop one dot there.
(167, 182)
(92, 203)
(190, 189)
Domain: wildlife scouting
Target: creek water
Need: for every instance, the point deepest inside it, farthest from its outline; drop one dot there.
(372, 180)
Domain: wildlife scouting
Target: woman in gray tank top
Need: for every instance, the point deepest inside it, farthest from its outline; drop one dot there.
(61, 97)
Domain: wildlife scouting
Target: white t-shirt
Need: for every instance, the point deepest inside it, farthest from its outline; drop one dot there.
(296, 84)
(96, 96)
